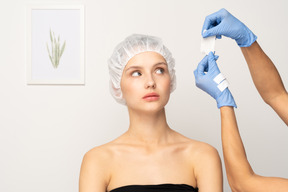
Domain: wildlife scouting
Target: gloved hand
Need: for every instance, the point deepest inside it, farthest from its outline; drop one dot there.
(209, 78)
(223, 23)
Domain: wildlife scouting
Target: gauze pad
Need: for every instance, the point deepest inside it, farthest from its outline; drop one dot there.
(207, 44)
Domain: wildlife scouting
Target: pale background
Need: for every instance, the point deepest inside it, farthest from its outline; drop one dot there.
(46, 130)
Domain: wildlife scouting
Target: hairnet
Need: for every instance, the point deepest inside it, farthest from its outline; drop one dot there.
(131, 46)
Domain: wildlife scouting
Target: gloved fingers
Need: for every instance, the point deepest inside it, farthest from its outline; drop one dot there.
(219, 36)
(202, 66)
(212, 60)
(195, 73)
(214, 31)
(211, 21)
(211, 57)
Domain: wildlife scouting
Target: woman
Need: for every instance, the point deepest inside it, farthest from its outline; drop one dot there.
(150, 156)
(268, 82)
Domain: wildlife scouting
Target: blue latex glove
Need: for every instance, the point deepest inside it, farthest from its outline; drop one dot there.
(205, 74)
(223, 23)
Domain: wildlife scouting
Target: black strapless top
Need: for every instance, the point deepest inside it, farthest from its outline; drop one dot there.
(156, 188)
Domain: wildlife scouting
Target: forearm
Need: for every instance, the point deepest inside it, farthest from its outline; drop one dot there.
(237, 166)
(264, 74)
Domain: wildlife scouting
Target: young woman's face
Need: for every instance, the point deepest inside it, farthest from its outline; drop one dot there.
(145, 82)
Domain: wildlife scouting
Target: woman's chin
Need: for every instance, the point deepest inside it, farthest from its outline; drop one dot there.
(149, 108)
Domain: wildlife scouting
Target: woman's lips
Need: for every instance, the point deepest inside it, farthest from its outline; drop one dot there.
(151, 97)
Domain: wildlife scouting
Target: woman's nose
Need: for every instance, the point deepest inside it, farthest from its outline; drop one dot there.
(150, 83)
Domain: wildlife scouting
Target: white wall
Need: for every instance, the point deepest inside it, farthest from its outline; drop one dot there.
(45, 130)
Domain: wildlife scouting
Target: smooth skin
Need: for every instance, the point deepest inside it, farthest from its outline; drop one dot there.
(267, 79)
(150, 152)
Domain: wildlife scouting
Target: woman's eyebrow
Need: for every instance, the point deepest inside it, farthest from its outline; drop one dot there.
(160, 63)
(139, 67)
(133, 67)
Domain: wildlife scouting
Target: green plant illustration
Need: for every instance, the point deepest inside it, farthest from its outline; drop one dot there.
(56, 52)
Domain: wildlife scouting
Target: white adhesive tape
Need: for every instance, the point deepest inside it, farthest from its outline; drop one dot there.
(220, 77)
(223, 85)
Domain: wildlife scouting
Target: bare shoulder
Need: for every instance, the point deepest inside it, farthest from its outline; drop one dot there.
(205, 150)
(96, 156)
(98, 152)
(207, 166)
(199, 149)
(202, 154)
(206, 156)
(96, 170)
(99, 156)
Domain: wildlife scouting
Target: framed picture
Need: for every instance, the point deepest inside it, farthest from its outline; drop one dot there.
(55, 44)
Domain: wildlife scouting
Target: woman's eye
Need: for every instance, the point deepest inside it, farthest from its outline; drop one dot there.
(160, 71)
(136, 74)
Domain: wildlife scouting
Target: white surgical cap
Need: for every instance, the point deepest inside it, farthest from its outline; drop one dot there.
(131, 46)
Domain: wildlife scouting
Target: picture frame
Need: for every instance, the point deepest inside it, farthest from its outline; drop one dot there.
(55, 44)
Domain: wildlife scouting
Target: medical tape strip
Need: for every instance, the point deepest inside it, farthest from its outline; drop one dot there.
(220, 77)
(223, 85)
(221, 81)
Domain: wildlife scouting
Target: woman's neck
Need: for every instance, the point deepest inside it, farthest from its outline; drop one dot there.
(149, 128)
